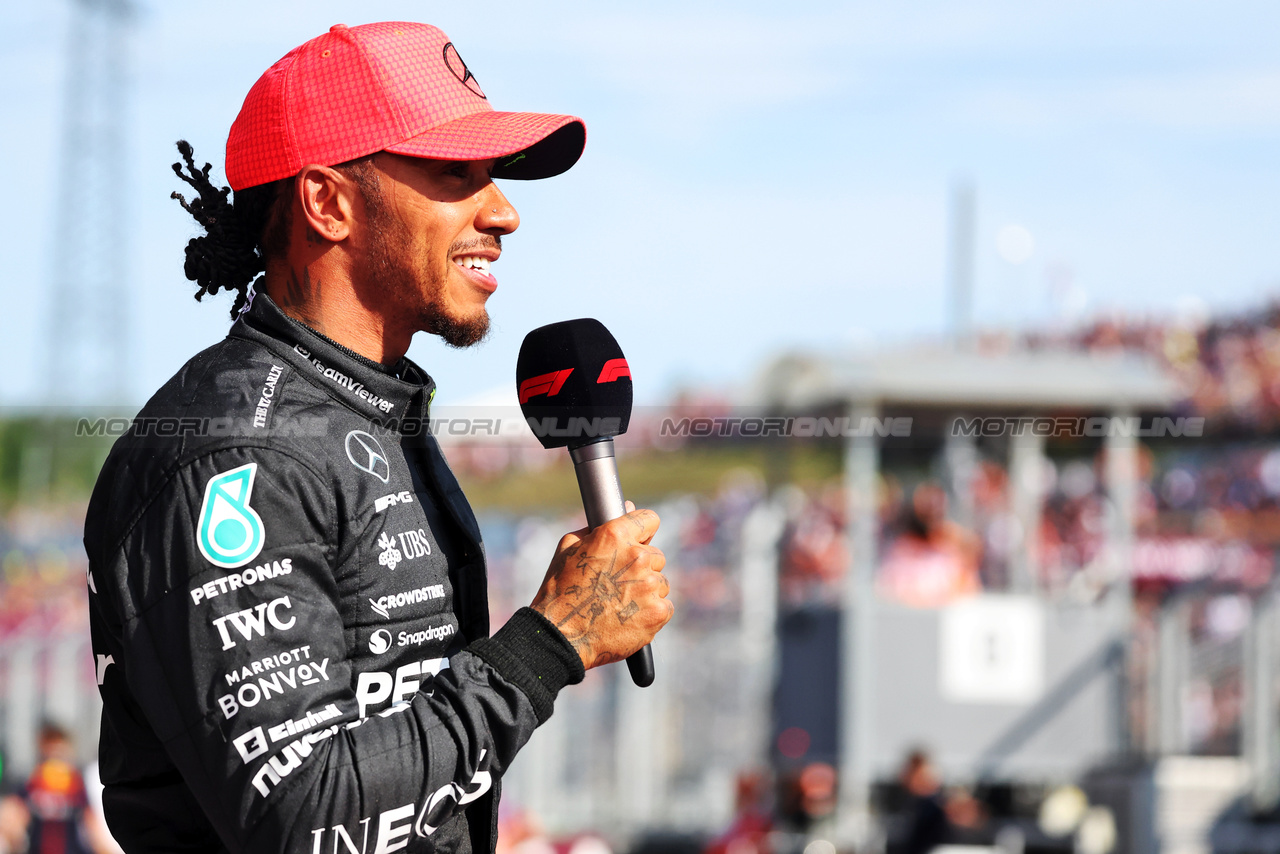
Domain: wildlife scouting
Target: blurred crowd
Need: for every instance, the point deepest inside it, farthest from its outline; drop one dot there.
(1229, 366)
(43, 571)
(1207, 510)
(1202, 515)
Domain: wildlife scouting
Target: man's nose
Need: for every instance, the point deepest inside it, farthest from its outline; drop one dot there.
(496, 215)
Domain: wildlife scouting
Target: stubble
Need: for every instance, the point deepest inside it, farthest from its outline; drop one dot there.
(417, 282)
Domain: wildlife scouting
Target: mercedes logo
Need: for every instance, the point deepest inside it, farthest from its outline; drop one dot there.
(366, 454)
(460, 70)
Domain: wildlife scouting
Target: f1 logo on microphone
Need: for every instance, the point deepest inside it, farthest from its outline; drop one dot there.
(614, 370)
(548, 384)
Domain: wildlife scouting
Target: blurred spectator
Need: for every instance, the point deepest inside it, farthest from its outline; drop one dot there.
(814, 555)
(808, 798)
(748, 833)
(520, 832)
(926, 826)
(934, 561)
(53, 804)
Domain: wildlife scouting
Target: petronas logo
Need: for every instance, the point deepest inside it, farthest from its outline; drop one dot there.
(230, 531)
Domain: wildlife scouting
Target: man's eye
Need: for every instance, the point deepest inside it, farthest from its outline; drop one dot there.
(459, 170)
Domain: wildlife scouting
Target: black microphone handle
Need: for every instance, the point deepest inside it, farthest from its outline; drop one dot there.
(597, 472)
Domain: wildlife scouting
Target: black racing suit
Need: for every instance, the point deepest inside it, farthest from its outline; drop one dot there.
(289, 614)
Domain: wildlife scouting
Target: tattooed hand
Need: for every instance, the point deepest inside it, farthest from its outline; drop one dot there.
(605, 589)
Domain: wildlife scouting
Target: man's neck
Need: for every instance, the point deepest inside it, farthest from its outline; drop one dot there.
(328, 305)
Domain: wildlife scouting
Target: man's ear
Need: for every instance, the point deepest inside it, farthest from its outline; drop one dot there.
(327, 198)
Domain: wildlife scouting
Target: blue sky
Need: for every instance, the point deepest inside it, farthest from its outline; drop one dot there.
(756, 178)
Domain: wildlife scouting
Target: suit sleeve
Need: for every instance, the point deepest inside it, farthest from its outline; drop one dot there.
(226, 617)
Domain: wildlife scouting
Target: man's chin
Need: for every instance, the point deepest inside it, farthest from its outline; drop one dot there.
(459, 332)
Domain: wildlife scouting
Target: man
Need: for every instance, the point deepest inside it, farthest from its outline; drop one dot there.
(287, 585)
(53, 803)
(925, 825)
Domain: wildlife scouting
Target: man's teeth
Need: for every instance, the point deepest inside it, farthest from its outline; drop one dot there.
(474, 262)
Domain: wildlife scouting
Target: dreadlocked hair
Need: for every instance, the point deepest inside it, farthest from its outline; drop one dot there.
(237, 241)
(241, 235)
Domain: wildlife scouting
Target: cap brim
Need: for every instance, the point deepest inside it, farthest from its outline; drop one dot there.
(526, 145)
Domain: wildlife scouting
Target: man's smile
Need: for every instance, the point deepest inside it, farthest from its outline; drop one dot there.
(474, 263)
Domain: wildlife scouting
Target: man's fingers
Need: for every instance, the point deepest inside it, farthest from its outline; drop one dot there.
(644, 524)
(663, 585)
(630, 505)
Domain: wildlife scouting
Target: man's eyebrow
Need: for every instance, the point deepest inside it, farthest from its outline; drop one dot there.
(466, 164)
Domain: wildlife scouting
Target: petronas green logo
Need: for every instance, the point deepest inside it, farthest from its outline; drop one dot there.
(230, 532)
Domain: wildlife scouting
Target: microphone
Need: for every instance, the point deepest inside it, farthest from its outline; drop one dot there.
(575, 392)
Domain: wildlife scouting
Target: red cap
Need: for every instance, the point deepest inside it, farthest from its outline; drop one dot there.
(393, 86)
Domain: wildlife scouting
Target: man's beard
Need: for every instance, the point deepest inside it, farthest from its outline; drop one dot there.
(394, 267)
(455, 331)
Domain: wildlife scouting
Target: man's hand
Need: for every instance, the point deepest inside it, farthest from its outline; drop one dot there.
(605, 589)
